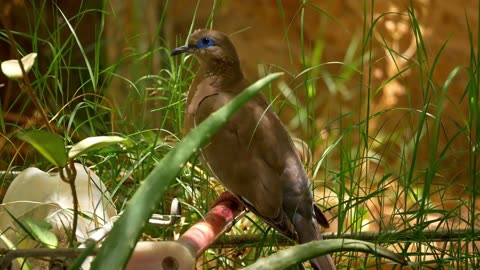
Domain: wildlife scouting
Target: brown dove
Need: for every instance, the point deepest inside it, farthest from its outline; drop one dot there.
(253, 155)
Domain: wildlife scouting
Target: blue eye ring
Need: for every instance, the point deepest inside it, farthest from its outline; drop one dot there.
(205, 42)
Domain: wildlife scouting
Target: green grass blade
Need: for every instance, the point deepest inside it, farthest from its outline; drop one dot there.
(128, 228)
(82, 50)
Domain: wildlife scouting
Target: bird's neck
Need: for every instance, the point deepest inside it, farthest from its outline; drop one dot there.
(221, 74)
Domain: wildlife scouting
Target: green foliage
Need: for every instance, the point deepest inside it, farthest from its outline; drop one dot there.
(92, 143)
(51, 146)
(40, 229)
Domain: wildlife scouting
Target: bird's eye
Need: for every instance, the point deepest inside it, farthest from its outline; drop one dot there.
(205, 42)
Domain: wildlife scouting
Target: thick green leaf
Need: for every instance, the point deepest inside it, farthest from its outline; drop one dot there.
(92, 143)
(118, 246)
(292, 256)
(50, 145)
(40, 229)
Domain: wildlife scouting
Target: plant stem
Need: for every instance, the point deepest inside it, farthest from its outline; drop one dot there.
(70, 179)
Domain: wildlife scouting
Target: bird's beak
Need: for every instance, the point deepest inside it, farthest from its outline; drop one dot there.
(180, 50)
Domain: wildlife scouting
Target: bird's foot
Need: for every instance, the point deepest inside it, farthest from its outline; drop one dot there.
(233, 203)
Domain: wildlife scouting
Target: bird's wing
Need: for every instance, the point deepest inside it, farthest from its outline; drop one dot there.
(280, 153)
(236, 155)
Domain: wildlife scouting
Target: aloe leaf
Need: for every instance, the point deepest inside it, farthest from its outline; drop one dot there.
(292, 256)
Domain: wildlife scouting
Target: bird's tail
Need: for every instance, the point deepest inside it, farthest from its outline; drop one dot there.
(307, 230)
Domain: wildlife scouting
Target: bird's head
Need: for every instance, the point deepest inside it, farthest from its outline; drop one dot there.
(209, 45)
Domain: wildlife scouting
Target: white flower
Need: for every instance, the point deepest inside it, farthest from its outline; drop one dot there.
(11, 68)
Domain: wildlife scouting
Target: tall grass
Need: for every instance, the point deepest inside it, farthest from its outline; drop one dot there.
(374, 170)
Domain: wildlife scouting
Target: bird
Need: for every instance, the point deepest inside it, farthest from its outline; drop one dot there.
(252, 155)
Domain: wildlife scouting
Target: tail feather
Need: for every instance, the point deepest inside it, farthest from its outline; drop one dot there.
(320, 217)
(307, 230)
